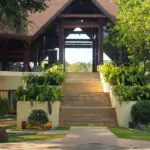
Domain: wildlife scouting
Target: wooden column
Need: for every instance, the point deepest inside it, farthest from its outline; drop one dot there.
(100, 43)
(94, 51)
(61, 43)
(26, 57)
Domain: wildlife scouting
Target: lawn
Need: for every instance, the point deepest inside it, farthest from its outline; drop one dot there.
(32, 137)
(130, 134)
(7, 119)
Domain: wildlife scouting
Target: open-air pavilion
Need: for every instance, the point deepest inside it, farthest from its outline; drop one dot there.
(49, 30)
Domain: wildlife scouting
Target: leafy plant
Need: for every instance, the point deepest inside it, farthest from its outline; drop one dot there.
(4, 106)
(132, 93)
(106, 70)
(38, 117)
(141, 112)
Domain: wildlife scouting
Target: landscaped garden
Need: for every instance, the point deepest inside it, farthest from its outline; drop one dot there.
(45, 89)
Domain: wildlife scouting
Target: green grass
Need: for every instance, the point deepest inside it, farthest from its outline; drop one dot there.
(130, 134)
(32, 137)
(7, 119)
(11, 127)
(61, 128)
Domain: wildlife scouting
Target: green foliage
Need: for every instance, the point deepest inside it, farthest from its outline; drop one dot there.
(128, 75)
(79, 67)
(131, 83)
(133, 29)
(52, 76)
(31, 80)
(141, 112)
(38, 117)
(143, 127)
(119, 55)
(4, 106)
(41, 88)
(14, 13)
(39, 93)
(132, 93)
(106, 70)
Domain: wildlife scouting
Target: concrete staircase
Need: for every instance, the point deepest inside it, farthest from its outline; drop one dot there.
(85, 103)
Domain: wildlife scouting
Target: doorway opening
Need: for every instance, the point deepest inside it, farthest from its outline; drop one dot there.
(78, 52)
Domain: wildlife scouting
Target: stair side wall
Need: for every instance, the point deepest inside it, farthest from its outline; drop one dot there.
(123, 110)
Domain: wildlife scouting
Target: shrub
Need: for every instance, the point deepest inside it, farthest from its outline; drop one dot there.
(38, 117)
(39, 92)
(141, 112)
(4, 106)
(127, 75)
(106, 70)
(132, 93)
(52, 76)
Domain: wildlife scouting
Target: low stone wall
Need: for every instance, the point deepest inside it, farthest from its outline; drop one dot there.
(24, 108)
(12, 80)
(123, 110)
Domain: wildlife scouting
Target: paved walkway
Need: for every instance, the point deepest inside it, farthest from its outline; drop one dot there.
(81, 139)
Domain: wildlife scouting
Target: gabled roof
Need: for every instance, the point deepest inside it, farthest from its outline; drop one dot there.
(39, 20)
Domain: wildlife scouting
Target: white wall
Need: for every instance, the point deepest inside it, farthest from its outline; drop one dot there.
(12, 80)
(24, 108)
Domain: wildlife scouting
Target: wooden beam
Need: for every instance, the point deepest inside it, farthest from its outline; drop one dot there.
(80, 25)
(82, 16)
(78, 46)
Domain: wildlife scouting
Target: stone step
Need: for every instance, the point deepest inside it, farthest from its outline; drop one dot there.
(87, 115)
(87, 104)
(87, 110)
(87, 97)
(69, 123)
(81, 77)
(82, 87)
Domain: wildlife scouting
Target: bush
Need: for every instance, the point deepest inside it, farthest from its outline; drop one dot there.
(4, 106)
(40, 93)
(106, 70)
(52, 76)
(127, 75)
(141, 112)
(132, 93)
(38, 117)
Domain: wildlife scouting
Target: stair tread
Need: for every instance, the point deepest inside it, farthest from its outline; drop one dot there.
(85, 102)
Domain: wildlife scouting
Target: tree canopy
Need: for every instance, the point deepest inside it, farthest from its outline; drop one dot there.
(133, 28)
(14, 13)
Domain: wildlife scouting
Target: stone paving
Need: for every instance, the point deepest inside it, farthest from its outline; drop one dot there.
(81, 139)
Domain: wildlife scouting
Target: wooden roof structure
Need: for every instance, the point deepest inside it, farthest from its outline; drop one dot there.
(55, 7)
(46, 30)
(40, 20)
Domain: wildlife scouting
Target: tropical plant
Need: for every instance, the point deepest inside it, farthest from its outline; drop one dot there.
(129, 76)
(132, 93)
(106, 70)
